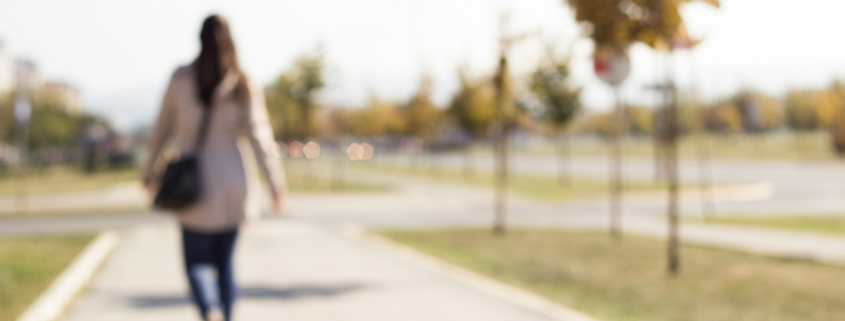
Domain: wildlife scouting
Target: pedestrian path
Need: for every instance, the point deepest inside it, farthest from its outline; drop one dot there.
(427, 203)
(288, 270)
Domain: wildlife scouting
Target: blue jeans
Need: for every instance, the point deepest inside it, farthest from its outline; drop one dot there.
(208, 263)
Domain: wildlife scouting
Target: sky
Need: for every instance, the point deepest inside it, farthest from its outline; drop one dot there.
(120, 54)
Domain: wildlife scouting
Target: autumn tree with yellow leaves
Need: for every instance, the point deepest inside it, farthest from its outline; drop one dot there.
(615, 25)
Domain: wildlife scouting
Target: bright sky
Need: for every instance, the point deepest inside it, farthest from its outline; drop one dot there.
(121, 53)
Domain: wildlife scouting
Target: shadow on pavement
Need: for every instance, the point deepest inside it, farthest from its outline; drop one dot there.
(254, 293)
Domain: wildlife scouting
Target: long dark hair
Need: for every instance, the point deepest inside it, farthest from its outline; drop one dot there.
(217, 57)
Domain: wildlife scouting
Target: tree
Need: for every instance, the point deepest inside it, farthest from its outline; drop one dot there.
(421, 115)
(509, 115)
(7, 117)
(612, 31)
(291, 100)
(50, 125)
(473, 109)
(800, 113)
(616, 24)
(639, 120)
(560, 101)
(378, 118)
(723, 118)
(837, 90)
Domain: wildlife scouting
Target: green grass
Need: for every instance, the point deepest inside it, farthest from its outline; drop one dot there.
(774, 146)
(541, 187)
(309, 185)
(316, 176)
(64, 179)
(627, 280)
(68, 179)
(827, 225)
(28, 265)
(79, 212)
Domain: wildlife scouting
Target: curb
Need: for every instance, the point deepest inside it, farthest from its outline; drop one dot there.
(52, 302)
(518, 297)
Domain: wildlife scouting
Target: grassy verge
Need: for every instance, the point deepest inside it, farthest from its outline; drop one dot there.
(827, 225)
(28, 265)
(70, 180)
(64, 179)
(627, 280)
(773, 146)
(80, 212)
(299, 184)
(536, 186)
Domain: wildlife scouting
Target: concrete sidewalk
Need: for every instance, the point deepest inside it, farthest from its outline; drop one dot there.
(290, 270)
(429, 203)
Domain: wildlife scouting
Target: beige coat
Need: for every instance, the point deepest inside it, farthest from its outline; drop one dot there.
(223, 205)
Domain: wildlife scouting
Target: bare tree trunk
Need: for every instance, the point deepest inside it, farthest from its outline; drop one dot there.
(501, 178)
(616, 170)
(309, 174)
(415, 150)
(658, 154)
(801, 141)
(672, 173)
(339, 181)
(433, 162)
(469, 163)
(564, 164)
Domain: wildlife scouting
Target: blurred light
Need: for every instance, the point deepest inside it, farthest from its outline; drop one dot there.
(355, 152)
(311, 150)
(282, 148)
(367, 151)
(295, 149)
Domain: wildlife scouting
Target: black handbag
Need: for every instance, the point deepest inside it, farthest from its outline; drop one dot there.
(181, 184)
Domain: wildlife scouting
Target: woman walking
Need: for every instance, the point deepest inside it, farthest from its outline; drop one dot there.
(213, 86)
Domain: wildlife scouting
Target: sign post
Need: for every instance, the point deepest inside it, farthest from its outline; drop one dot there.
(612, 66)
(23, 114)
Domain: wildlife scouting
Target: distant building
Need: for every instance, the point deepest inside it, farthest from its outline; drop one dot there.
(27, 76)
(24, 75)
(7, 71)
(67, 96)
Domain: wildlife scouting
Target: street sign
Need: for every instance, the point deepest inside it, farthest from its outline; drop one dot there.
(611, 66)
(23, 109)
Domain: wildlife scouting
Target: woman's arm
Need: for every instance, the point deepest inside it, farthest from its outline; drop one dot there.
(161, 132)
(260, 134)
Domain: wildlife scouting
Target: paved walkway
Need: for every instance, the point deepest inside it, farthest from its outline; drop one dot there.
(304, 268)
(288, 270)
(422, 203)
